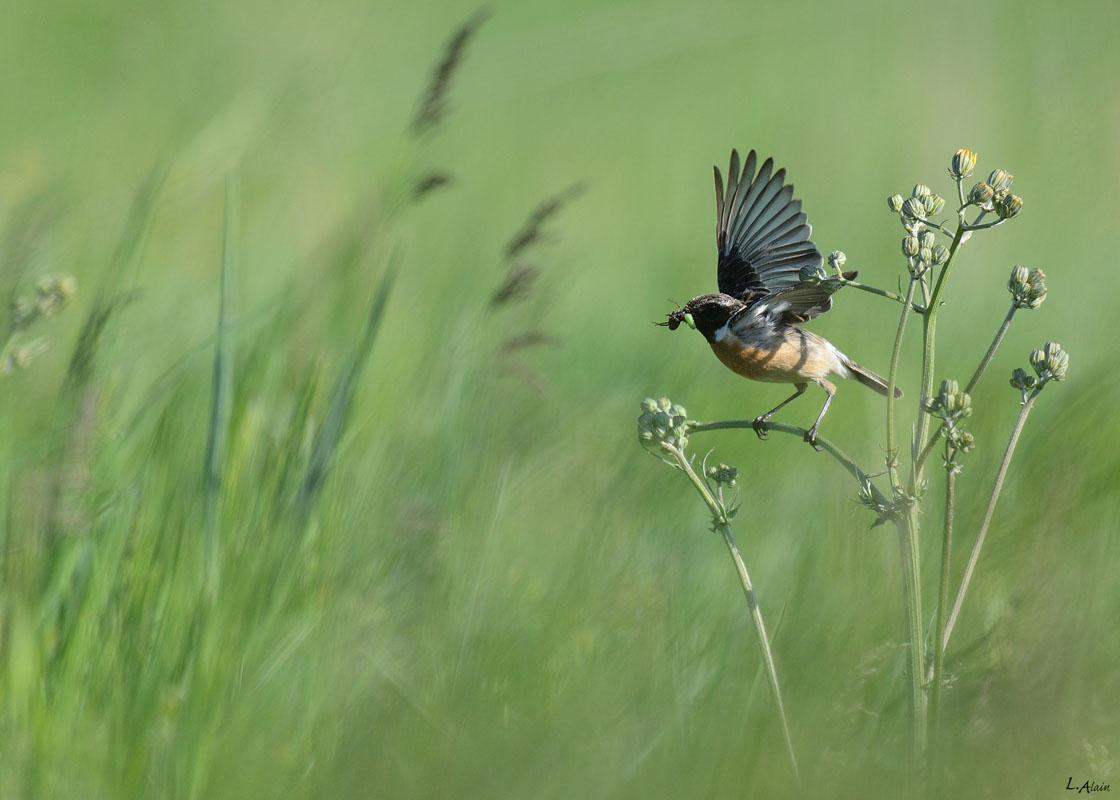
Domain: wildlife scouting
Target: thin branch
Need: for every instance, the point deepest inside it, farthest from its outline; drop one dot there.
(974, 555)
(991, 350)
(720, 520)
(794, 430)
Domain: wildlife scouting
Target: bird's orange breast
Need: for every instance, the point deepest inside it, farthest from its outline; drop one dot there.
(782, 359)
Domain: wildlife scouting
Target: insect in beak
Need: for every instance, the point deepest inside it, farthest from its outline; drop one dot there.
(676, 318)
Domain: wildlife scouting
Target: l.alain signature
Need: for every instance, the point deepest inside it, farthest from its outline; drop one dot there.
(1088, 787)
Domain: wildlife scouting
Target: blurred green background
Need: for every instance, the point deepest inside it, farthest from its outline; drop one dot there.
(497, 593)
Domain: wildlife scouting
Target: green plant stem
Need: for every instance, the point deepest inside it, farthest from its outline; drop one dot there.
(929, 348)
(892, 381)
(794, 430)
(974, 554)
(984, 226)
(912, 588)
(976, 376)
(882, 293)
(934, 438)
(942, 604)
(907, 554)
(720, 520)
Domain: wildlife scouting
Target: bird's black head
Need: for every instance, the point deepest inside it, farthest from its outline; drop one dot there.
(706, 313)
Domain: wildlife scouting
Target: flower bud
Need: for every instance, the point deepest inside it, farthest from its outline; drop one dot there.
(1027, 287)
(940, 254)
(933, 203)
(981, 194)
(662, 423)
(963, 442)
(914, 208)
(810, 274)
(927, 239)
(1022, 381)
(837, 259)
(723, 474)
(910, 246)
(951, 402)
(925, 255)
(1009, 206)
(1050, 363)
(894, 203)
(921, 190)
(963, 163)
(1000, 180)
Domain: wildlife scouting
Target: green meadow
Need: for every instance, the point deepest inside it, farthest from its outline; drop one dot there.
(311, 489)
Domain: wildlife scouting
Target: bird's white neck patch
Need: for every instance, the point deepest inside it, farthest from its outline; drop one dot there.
(722, 333)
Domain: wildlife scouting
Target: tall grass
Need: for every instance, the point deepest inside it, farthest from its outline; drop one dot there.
(481, 600)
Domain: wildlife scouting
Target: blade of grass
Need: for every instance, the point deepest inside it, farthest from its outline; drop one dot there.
(222, 384)
(342, 395)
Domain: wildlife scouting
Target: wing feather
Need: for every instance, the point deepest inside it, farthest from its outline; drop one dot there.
(762, 235)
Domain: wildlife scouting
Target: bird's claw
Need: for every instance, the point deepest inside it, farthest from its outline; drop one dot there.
(811, 438)
(760, 426)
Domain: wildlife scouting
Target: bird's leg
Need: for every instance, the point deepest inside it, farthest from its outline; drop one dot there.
(759, 423)
(811, 434)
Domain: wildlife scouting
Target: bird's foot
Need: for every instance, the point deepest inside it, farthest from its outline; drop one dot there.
(760, 426)
(811, 438)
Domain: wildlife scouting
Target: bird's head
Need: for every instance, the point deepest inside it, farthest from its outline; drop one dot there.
(706, 313)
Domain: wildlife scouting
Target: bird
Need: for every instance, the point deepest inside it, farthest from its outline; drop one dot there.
(769, 278)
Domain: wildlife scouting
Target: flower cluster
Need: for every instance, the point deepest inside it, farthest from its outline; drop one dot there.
(995, 195)
(723, 475)
(51, 294)
(1049, 364)
(919, 245)
(952, 406)
(1027, 287)
(662, 423)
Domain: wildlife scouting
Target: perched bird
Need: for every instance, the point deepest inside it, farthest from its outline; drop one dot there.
(752, 324)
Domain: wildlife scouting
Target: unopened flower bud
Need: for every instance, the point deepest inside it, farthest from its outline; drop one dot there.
(1000, 180)
(964, 442)
(951, 401)
(963, 163)
(894, 203)
(1009, 206)
(723, 474)
(925, 255)
(981, 194)
(921, 190)
(809, 274)
(940, 254)
(933, 203)
(1027, 287)
(910, 246)
(1050, 363)
(837, 259)
(914, 208)
(662, 422)
(1022, 381)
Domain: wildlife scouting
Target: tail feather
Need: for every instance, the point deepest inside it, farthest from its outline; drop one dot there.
(869, 378)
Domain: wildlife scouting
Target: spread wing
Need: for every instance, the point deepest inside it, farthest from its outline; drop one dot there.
(761, 233)
(798, 303)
